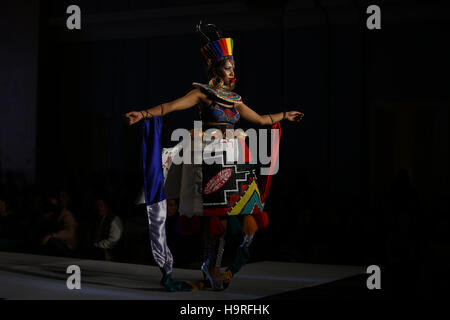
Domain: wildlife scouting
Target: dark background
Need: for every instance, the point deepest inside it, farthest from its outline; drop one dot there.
(363, 180)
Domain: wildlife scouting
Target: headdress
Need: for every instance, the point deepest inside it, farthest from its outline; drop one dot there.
(217, 46)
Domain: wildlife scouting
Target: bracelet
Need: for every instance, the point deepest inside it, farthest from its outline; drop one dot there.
(162, 109)
(270, 118)
(142, 114)
(284, 115)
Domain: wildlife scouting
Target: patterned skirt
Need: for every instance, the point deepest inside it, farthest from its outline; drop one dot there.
(224, 183)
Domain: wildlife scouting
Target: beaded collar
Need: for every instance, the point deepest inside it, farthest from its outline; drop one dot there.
(221, 94)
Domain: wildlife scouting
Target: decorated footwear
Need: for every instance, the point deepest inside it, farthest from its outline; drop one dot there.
(213, 261)
(209, 281)
(227, 275)
(241, 258)
(172, 285)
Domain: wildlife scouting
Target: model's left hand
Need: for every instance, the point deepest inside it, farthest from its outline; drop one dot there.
(296, 116)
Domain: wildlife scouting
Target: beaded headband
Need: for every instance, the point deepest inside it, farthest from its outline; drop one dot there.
(215, 50)
(218, 50)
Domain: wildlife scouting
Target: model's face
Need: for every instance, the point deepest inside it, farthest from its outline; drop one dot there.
(228, 72)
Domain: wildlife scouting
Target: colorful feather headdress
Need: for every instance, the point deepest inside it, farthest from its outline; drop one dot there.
(218, 49)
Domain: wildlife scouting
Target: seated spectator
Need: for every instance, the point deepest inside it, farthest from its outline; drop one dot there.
(58, 229)
(106, 231)
(64, 200)
(8, 227)
(5, 211)
(182, 235)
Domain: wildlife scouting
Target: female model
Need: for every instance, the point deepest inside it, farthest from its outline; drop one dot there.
(226, 191)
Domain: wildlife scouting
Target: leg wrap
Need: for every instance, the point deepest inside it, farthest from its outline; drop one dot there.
(219, 255)
(157, 229)
(242, 255)
(214, 253)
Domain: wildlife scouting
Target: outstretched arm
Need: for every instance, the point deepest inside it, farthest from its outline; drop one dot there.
(192, 98)
(268, 119)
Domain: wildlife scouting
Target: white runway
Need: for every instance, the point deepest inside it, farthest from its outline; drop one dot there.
(25, 276)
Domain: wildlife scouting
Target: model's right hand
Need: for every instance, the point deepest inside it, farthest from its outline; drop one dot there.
(133, 117)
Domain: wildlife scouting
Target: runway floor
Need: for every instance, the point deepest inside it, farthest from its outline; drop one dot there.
(25, 277)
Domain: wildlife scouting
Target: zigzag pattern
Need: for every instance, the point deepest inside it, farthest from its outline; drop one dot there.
(253, 200)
